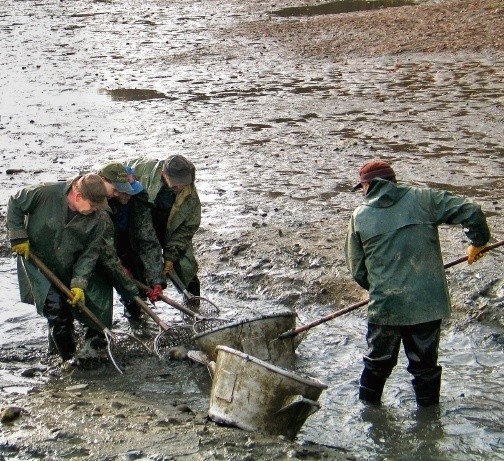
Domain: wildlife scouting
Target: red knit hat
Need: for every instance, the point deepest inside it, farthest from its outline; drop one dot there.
(374, 169)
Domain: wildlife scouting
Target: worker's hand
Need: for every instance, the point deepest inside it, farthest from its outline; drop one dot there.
(22, 249)
(78, 296)
(474, 253)
(168, 267)
(154, 293)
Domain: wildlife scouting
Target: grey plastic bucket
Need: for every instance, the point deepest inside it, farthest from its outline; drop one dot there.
(257, 396)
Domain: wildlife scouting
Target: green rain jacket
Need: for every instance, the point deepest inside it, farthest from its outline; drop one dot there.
(183, 221)
(393, 250)
(71, 250)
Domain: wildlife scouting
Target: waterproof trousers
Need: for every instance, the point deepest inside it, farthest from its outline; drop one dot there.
(60, 320)
(421, 343)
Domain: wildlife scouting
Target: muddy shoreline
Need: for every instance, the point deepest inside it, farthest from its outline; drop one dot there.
(262, 249)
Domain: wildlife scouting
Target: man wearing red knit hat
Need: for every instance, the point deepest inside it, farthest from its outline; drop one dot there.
(393, 251)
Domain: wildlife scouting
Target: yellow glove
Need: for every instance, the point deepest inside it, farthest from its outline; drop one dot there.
(22, 249)
(168, 267)
(474, 253)
(78, 296)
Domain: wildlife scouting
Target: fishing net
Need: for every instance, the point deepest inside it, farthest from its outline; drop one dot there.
(200, 305)
(120, 348)
(204, 325)
(171, 335)
(126, 347)
(175, 336)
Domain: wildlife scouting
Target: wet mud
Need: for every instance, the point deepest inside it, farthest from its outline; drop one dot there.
(278, 112)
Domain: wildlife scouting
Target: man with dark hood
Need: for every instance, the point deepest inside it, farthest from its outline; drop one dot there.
(63, 224)
(176, 213)
(393, 251)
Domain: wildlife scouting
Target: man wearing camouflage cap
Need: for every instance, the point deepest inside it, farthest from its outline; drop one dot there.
(393, 251)
(63, 224)
(134, 238)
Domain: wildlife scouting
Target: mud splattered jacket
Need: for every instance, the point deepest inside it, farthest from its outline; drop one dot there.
(135, 239)
(109, 272)
(183, 220)
(70, 250)
(393, 250)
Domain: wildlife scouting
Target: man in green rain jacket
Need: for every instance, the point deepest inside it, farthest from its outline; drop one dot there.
(176, 214)
(393, 251)
(63, 224)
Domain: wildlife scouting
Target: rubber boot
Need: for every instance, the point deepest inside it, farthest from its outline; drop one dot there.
(51, 347)
(60, 320)
(427, 387)
(371, 387)
(194, 288)
(96, 339)
(368, 395)
(63, 339)
(132, 311)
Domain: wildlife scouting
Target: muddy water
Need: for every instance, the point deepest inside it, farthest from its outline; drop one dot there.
(341, 6)
(466, 426)
(277, 141)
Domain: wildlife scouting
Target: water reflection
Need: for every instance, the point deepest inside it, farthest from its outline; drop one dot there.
(133, 94)
(471, 410)
(341, 6)
(419, 438)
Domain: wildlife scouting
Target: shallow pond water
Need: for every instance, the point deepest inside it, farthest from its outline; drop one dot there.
(467, 424)
(277, 141)
(341, 6)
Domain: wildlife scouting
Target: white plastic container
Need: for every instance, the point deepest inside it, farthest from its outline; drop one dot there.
(257, 396)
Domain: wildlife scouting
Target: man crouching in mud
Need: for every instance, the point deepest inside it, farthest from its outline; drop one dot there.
(393, 250)
(63, 224)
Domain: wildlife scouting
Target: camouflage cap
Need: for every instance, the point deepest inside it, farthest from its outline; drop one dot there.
(121, 178)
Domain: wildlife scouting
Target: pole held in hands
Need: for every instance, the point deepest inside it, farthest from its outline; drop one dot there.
(51, 276)
(484, 250)
(169, 301)
(296, 331)
(145, 307)
(173, 276)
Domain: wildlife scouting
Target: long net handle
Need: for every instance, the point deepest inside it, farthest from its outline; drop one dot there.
(145, 307)
(173, 276)
(51, 276)
(296, 331)
(178, 284)
(484, 250)
(170, 301)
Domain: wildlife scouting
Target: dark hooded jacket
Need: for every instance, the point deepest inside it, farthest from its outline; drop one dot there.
(135, 239)
(393, 250)
(183, 220)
